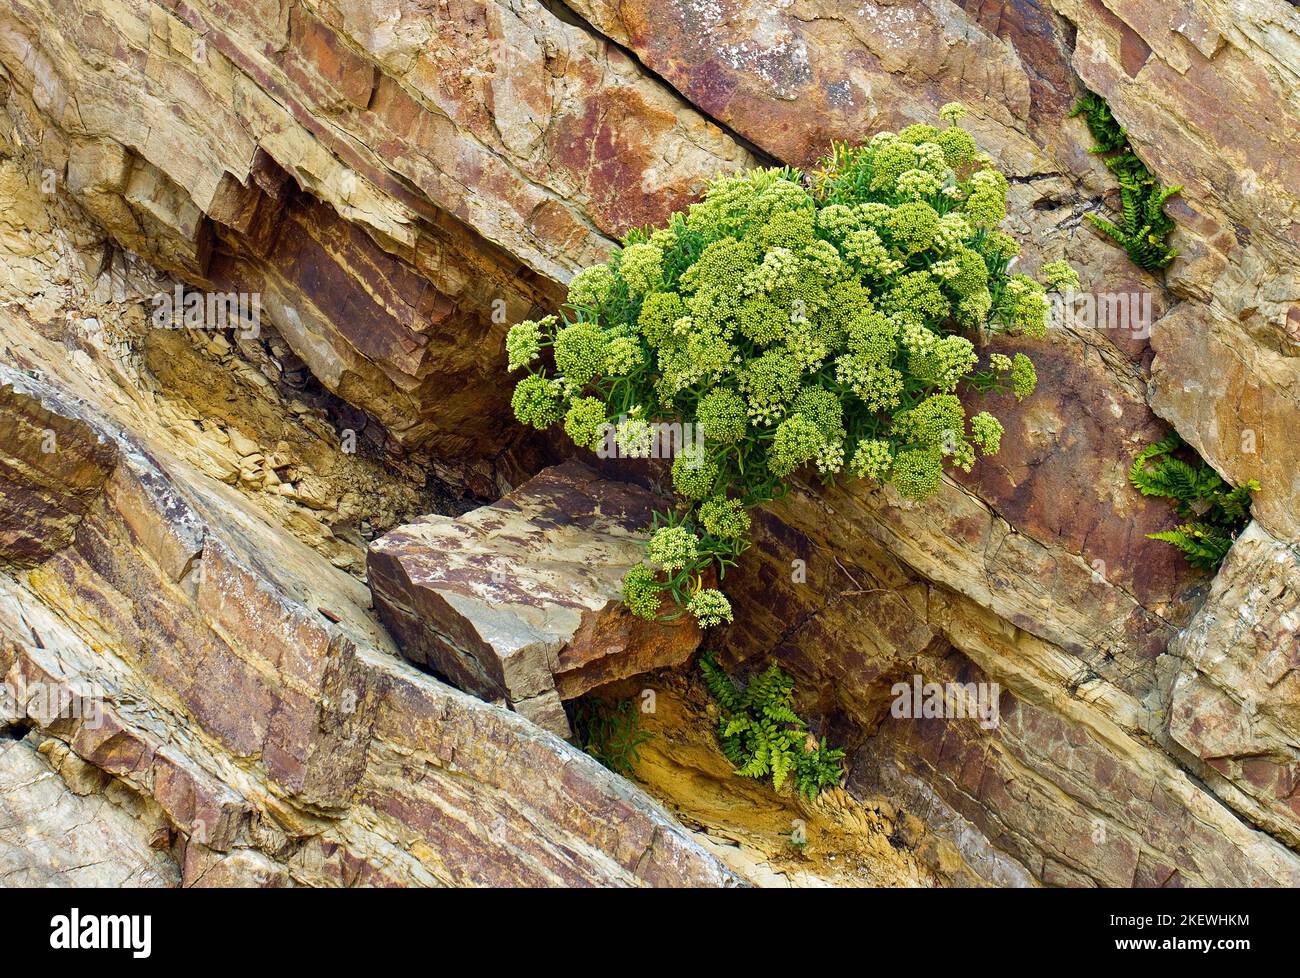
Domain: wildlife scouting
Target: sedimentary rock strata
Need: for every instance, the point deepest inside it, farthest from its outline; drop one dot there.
(520, 600)
(397, 183)
(246, 696)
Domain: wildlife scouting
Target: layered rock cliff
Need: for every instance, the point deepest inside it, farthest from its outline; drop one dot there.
(185, 514)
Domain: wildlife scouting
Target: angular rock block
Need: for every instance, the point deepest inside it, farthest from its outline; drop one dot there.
(1235, 702)
(520, 600)
(183, 687)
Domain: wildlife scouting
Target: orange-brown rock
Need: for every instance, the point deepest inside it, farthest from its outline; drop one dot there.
(1235, 702)
(398, 197)
(221, 675)
(520, 600)
(1070, 781)
(52, 467)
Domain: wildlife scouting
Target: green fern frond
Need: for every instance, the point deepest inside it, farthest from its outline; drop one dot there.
(1214, 512)
(1236, 504)
(720, 686)
(781, 713)
(1117, 234)
(1164, 446)
(1144, 227)
(1107, 132)
(761, 735)
(1203, 548)
(610, 732)
(757, 765)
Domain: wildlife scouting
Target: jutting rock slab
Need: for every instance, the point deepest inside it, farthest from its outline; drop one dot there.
(520, 600)
(194, 716)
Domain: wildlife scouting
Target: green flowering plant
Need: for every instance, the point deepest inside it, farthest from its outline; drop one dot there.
(801, 322)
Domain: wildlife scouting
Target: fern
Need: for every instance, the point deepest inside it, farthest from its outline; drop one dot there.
(1144, 227)
(1107, 132)
(1202, 547)
(761, 735)
(825, 767)
(1214, 512)
(610, 731)
(721, 688)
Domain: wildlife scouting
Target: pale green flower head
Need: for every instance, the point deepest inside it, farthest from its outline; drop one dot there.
(641, 266)
(536, 401)
(673, 548)
(830, 457)
(623, 356)
(958, 146)
(694, 475)
(918, 185)
(916, 473)
(912, 226)
(797, 441)
(580, 352)
(872, 459)
(591, 287)
(642, 591)
(722, 416)
(710, 607)
(986, 431)
(585, 422)
(1023, 376)
(724, 518)
(1024, 309)
(635, 438)
(1058, 276)
(952, 112)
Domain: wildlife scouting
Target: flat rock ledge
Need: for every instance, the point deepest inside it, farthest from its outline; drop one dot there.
(519, 600)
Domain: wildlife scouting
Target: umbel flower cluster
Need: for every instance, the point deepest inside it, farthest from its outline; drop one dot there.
(805, 322)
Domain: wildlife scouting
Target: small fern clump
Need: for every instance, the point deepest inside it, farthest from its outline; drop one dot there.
(1215, 512)
(791, 322)
(1144, 227)
(610, 731)
(761, 734)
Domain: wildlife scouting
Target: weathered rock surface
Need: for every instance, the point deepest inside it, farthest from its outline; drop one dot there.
(228, 678)
(45, 499)
(55, 834)
(520, 600)
(1069, 786)
(1235, 702)
(398, 185)
(399, 182)
(1209, 99)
